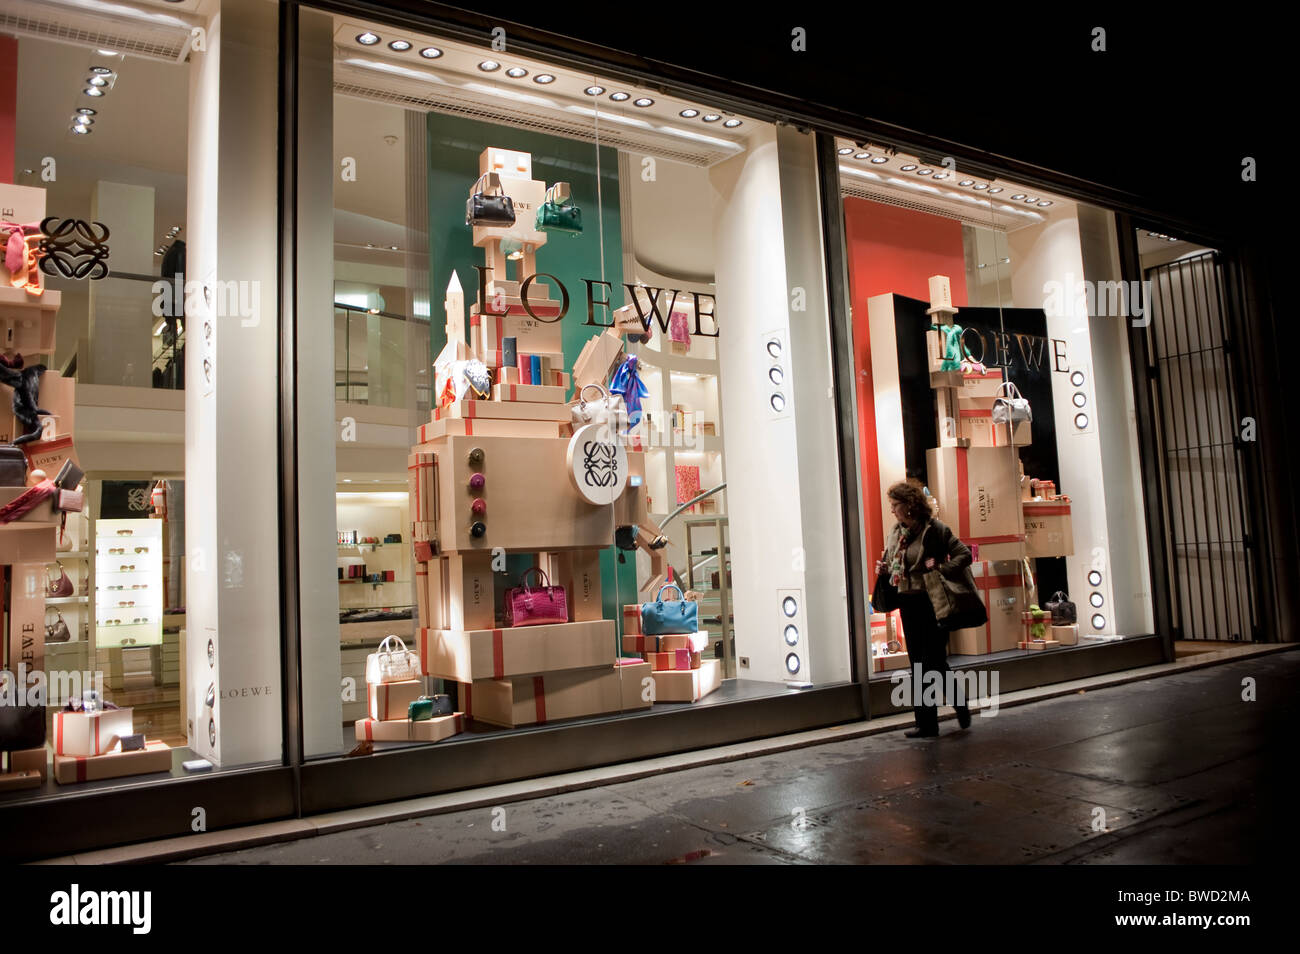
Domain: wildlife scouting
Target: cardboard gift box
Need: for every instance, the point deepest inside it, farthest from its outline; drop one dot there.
(690, 642)
(1002, 588)
(977, 426)
(26, 543)
(632, 620)
(510, 410)
(690, 685)
(543, 393)
(1038, 644)
(389, 701)
(404, 730)
(469, 655)
(1027, 621)
(679, 659)
(484, 427)
(1049, 531)
(43, 514)
(533, 700)
(886, 627)
(978, 493)
(1066, 635)
(884, 662)
(154, 757)
(90, 733)
(981, 385)
(531, 335)
(422, 486)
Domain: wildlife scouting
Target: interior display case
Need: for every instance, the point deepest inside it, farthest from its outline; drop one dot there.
(128, 583)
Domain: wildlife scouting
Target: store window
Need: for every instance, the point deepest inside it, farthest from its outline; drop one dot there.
(580, 357)
(142, 592)
(990, 334)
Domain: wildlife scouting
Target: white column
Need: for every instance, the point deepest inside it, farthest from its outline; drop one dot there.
(121, 317)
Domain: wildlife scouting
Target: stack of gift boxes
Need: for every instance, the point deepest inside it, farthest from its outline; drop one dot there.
(103, 744)
(388, 711)
(679, 671)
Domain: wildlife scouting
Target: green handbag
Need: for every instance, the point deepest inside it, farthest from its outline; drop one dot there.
(558, 213)
(420, 709)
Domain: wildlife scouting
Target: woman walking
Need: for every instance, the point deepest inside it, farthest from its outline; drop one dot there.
(919, 544)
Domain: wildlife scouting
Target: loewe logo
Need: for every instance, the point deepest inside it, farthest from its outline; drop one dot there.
(243, 692)
(103, 907)
(985, 503)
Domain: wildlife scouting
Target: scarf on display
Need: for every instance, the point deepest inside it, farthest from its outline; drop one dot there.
(21, 255)
(627, 382)
(27, 501)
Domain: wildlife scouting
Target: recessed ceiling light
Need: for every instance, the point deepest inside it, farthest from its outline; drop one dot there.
(980, 186)
(97, 81)
(101, 70)
(367, 39)
(392, 248)
(157, 251)
(924, 172)
(1044, 204)
(431, 52)
(83, 120)
(643, 102)
(732, 123)
(844, 150)
(1031, 200)
(1170, 238)
(880, 159)
(370, 245)
(941, 175)
(80, 129)
(86, 110)
(863, 155)
(966, 182)
(93, 91)
(620, 97)
(908, 167)
(710, 117)
(689, 113)
(106, 52)
(595, 91)
(994, 190)
(489, 66)
(516, 72)
(543, 78)
(1017, 196)
(401, 46)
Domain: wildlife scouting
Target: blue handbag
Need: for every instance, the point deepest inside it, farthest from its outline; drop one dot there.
(669, 617)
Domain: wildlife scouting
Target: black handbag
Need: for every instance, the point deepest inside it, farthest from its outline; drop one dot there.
(13, 466)
(957, 603)
(1063, 611)
(884, 596)
(488, 204)
(21, 727)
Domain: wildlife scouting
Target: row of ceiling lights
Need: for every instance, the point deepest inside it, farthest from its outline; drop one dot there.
(1161, 235)
(944, 174)
(98, 83)
(171, 235)
(518, 72)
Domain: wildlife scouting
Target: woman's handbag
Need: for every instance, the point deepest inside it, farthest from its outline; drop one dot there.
(558, 213)
(60, 587)
(603, 410)
(536, 607)
(1064, 613)
(957, 603)
(1012, 409)
(884, 597)
(488, 203)
(669, 617)
(57, 632)
(392, 663)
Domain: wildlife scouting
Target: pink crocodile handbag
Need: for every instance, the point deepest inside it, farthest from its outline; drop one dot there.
(536, 607)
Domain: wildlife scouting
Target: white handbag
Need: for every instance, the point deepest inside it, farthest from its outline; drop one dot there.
(392, 663)
(1013, 408)
(604, 410)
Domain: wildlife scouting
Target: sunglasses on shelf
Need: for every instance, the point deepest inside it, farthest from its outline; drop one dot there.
(133, 586)
(124, 568)
(125, 533)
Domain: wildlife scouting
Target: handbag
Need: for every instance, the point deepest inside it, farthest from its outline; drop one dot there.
(57, 632)
(426, 707)
(558, 213)
(392, 663)
(536, 607)
(957, 603)
(1062, 609)
(603, 410)
(13, 466)
(21, 727)
(60, 587)
(1012, 409)
(488, 203)
(884, 596)
(669, 617)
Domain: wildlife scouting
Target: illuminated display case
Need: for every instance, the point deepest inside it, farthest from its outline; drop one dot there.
(128, 582)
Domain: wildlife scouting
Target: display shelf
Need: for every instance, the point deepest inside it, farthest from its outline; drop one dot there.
(376, 582)
(66, 600)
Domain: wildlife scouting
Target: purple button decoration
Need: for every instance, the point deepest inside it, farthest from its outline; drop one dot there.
(476, 481)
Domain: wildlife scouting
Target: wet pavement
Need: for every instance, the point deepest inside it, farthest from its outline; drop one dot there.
(1173, 770)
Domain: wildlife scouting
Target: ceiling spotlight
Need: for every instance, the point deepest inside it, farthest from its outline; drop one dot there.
(1170, 238)
(1081, 420)
(392, 248)
(83, 120)
(157, 251)
(879, 159)
(732, 123)
(431, 52)
(1017, 197)
(86, 110)
(908, 167)
(1044, 204)
(97, 81)
(980, 186)
(101, 70)
(620, 97)
(714, 117)
(516, 72)
(80, 129)
(643, 102)
(370, 245)
(863, 155)
(93, 91)
(966, 182)
(995, 190)
(1032, 200)
(106, 52)
(595, 90)
(844, 150)
(367, 39)
(689, 113)
(941, 175)
(924, 172)
(543, 78)
(489, 66)
(400, 46)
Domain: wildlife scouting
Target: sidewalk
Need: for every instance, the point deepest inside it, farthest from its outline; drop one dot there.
(1174, 770)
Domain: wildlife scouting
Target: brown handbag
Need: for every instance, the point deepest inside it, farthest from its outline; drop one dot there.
(57, 632)
(60, 587)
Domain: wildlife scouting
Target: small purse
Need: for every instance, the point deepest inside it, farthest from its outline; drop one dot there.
(1062, 609)
(1012, 409)
(488, 203)
(558, 213)
(426, 707)
(60, 587)
(13, 466)
(603, 410)
(392, 663)
(57, 632)
(669, 617)
(529, 607)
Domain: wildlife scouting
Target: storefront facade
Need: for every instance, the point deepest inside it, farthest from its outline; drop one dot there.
(783, 374)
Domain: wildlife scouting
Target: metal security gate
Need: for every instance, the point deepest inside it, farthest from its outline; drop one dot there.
(1209, 542)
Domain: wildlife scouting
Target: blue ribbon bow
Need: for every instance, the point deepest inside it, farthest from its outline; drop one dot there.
(627, 382)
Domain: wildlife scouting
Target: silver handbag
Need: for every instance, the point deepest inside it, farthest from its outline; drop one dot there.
(1012, 409)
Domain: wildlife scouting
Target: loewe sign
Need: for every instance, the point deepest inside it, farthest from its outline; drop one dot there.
(1033, 349)
(661, 317)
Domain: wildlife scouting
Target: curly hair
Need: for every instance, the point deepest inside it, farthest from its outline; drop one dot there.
(911, 497)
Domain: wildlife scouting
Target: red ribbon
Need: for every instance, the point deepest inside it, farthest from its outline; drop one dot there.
(539, 697)
(498, 655)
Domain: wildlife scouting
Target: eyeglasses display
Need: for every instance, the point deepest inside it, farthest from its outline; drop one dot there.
(140, 593)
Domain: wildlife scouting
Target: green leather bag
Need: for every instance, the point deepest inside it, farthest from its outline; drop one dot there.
(558, 213)
(420, 709)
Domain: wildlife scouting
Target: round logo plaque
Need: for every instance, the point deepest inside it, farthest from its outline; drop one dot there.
(597, 463)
